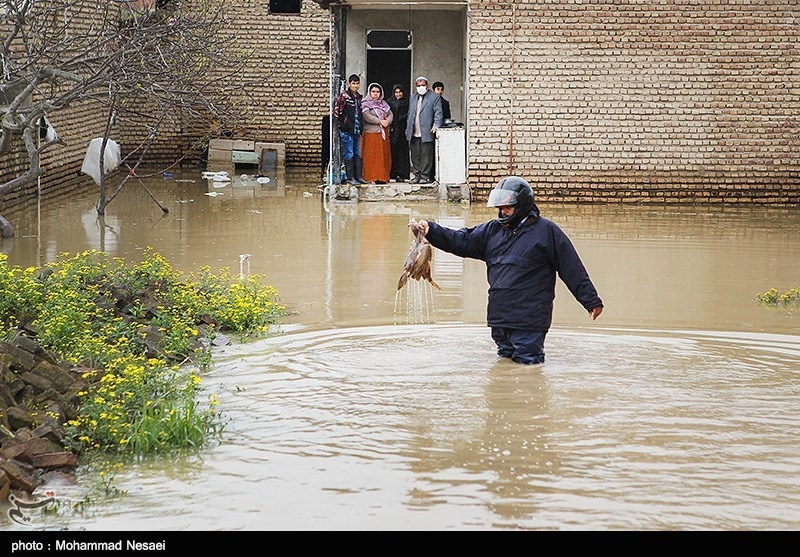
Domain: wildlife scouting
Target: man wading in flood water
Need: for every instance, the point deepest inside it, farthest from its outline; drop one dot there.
(523, 253)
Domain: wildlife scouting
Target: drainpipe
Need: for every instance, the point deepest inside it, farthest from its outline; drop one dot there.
(335, 76)
(511, 111)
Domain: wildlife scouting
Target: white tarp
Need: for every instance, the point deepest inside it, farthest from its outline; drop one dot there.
(111, 159)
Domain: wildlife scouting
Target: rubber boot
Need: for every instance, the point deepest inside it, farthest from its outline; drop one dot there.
(359, 169)
(350, 168)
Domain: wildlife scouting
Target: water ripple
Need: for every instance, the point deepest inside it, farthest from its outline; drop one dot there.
(421, 427)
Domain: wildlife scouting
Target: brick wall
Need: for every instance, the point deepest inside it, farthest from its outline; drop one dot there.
(288, 82)
(594, 100)
(636, 100)
(61, 165)
(289, 72)
(292, 65)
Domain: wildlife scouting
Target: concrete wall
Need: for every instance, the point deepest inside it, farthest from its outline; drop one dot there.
(437, 51)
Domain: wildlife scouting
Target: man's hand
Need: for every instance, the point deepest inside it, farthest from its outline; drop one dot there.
(595, 313)
(414, 224)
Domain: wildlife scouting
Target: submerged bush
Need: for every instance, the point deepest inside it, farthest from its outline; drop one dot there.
(131, 327)
(772, 297)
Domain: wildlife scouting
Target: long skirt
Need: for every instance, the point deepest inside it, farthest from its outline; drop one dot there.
(401, 165)
(377, 155)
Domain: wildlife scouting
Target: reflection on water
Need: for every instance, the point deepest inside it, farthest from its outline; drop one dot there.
(377, 409)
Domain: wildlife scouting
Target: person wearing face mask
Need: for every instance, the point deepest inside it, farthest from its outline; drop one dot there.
(424, 118)
(523, 253)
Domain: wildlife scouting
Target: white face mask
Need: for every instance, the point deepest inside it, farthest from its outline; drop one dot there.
(422, 89)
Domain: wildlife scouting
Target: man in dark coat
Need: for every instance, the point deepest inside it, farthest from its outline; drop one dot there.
(438, 88)
(424, 118)
(523, 253)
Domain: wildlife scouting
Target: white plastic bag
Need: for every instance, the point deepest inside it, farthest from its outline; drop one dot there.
(111, 160)
(48, 129)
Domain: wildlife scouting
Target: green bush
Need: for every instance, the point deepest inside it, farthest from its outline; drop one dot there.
(132, 327)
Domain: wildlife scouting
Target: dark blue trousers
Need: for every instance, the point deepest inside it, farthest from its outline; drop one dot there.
(523, 347)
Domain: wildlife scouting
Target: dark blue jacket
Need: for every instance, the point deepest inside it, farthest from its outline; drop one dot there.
(521, 267)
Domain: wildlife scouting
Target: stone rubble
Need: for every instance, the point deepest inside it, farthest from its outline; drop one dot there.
(38, 393)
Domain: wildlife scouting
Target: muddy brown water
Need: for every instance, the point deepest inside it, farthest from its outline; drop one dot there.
(373, 409)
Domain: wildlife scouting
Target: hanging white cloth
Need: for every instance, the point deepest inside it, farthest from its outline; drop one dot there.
(112, 158)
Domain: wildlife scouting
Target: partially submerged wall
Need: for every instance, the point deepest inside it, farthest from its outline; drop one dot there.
(636, 101)
(76, 125)
(287, 76)
(601, 101)
(289, 73)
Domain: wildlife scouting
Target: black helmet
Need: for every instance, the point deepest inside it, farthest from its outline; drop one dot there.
(512, 191)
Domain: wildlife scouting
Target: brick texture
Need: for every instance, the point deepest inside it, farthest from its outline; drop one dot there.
(600, 100)
(590, 100)
(287, 77)
(288, 71)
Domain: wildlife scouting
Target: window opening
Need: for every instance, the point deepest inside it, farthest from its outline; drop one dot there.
(285, 6)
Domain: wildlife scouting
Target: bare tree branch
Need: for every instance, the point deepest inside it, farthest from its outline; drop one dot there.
(153, 63)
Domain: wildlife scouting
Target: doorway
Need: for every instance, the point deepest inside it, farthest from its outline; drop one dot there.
(389, 59)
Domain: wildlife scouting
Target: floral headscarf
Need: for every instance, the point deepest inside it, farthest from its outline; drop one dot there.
(380, 106)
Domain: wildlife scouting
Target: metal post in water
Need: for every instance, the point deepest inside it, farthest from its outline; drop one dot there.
(244, 257)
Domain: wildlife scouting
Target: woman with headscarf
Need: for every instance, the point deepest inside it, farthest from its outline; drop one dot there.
(375, 146)
(401, 166)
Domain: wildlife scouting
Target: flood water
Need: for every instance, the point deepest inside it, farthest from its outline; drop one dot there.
(678, 409)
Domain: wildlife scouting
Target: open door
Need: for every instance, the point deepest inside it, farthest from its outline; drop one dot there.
(389, 59)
